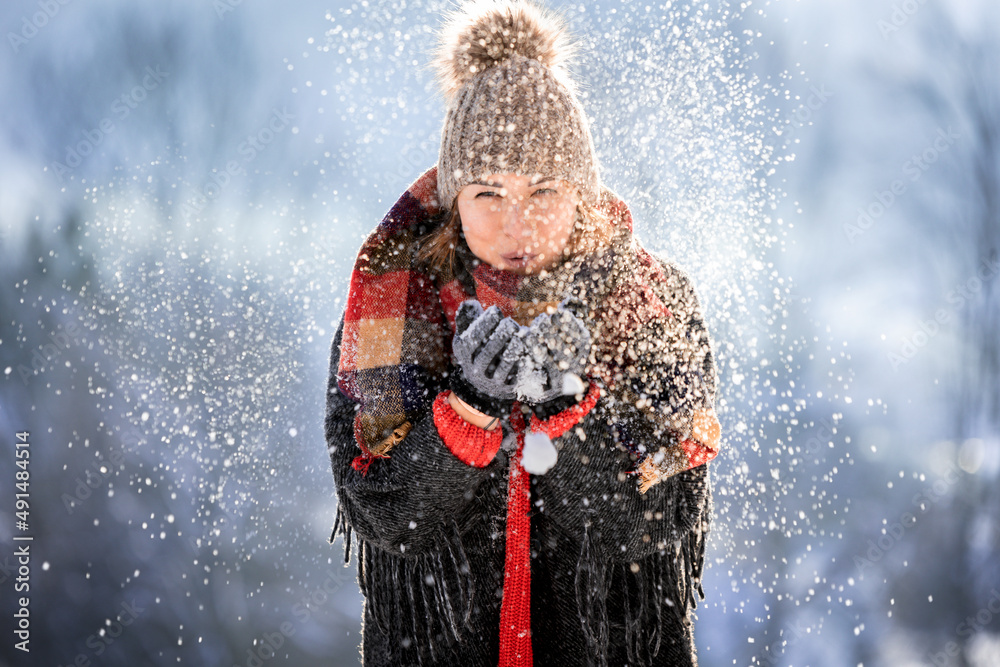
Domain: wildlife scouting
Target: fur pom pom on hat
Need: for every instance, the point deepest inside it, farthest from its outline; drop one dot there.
(511, 101)
(483, 34)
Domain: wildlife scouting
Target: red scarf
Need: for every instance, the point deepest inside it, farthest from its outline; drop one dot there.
(399, 322)
(515, 609)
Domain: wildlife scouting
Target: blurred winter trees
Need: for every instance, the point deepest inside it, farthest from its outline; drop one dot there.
(166, 302)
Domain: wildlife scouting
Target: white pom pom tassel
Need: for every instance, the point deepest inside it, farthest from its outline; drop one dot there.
(573, 385)
(539, 454)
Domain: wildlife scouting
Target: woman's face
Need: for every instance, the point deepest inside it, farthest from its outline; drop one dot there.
(516, 223)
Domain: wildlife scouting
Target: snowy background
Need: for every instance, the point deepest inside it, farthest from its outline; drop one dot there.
(183, 187)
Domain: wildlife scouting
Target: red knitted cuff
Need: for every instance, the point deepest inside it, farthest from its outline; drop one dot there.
(697, 453)
(558, 424)
(472, 445)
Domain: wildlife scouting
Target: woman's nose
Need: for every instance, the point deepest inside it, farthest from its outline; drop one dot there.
(516, 223)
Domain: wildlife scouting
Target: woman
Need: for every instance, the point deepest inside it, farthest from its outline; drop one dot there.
(520, 404)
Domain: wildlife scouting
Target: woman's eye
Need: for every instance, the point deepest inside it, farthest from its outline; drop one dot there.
(486, 193)
(544, 191)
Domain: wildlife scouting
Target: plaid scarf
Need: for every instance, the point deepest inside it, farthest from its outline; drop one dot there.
(400, 318)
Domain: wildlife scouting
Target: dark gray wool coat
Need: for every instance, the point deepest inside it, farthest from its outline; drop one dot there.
(614, 572)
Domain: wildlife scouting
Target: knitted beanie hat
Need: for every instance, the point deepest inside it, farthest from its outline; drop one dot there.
(511, 104)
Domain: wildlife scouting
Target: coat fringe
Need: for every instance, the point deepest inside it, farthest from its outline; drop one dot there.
(430, 594)
(591, 598)
(342, 526)
(667, 582)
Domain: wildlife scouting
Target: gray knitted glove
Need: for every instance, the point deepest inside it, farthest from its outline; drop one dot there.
(558, 347)
(488, 348)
